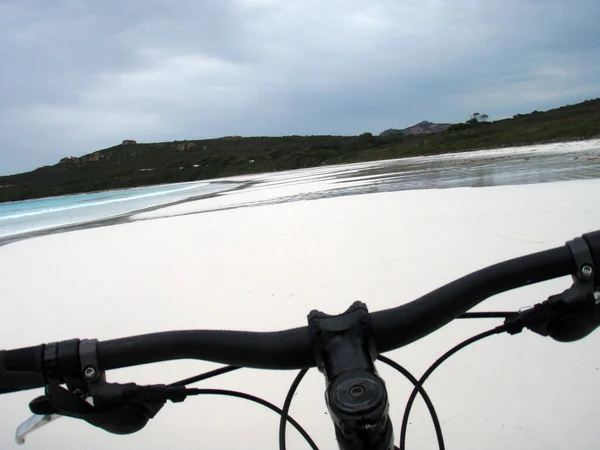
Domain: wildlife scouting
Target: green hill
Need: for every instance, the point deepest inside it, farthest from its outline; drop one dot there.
(138, 164)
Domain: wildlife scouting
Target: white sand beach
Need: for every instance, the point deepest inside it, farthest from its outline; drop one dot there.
(265, 268)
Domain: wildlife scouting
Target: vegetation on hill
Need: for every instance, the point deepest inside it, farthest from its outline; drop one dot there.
(131, 164)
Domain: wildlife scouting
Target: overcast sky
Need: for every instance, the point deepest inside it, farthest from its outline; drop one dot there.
(79, 76)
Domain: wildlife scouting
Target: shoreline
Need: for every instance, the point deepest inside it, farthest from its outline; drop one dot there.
(296, 176)
(109, 221)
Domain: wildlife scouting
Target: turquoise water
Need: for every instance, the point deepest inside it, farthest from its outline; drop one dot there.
(32, 215)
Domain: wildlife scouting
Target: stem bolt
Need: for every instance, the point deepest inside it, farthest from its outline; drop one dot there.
(587, 271)
(357, 390)
(89, 372)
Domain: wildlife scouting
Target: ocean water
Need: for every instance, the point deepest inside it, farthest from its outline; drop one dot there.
(41, 214)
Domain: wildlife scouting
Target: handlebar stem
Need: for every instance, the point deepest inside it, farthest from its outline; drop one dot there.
(356, 396)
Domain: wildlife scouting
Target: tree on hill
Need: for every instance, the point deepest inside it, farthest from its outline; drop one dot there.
(477, 118)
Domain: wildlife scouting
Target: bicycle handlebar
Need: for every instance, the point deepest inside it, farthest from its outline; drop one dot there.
(24, 368)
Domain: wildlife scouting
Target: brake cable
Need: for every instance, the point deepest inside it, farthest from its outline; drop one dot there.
(283, 413)
(286, 407)
(426, 399)
(435, 365)
(205, 376)
(260, 401)
(489, 315)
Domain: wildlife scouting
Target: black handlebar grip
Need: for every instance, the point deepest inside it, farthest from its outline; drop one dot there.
(593, 241)
(21, 369)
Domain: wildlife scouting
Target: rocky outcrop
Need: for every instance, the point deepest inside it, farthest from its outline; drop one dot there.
(185, 146)
(70, 160)
(94, 157)
(424, 127)
(77, 162)
(128, 142)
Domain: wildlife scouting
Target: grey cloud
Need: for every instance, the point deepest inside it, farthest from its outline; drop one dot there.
(79, 78)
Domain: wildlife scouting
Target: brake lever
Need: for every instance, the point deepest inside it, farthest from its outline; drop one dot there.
(35, 422)
(570, 315)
